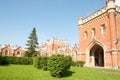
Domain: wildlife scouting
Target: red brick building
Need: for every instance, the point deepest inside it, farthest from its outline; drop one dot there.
(55, 46)
(100, 37)
(8, 50)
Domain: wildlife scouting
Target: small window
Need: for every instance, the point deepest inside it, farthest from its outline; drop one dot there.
(103, 29)
(93, 32)
(58, 47)
(85, 34)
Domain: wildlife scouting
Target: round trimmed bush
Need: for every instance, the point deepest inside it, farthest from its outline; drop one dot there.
(58, 65)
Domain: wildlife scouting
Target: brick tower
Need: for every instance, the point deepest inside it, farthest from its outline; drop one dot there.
(99, 36)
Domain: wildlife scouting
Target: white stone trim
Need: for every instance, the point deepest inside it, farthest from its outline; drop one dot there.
(110, 8)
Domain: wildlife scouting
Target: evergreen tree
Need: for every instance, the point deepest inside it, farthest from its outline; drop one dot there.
(32, 44)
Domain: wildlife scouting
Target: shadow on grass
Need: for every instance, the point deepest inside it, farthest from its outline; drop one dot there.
(68, 73)
(4, 64)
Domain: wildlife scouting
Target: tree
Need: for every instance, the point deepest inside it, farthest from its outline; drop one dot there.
(32, 43)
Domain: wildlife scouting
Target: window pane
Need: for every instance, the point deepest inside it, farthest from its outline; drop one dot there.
(6, 53)
(93, 32)
(85, 35)
(103, 29)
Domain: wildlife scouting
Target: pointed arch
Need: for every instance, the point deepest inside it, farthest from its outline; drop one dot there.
(6, 53)
(95, 54)
(93, 42)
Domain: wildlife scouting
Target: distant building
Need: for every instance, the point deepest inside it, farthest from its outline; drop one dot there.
(55, 46)
(100, 37)
(8, 50)
(50, 47)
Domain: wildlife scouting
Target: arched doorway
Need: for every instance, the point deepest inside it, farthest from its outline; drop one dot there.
(97, 55)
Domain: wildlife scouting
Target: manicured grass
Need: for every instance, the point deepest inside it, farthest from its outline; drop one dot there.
(28, 72)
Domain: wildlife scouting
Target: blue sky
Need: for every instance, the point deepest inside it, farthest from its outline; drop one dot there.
(56, 18)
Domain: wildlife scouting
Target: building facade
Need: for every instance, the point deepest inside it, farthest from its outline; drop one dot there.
(8, 50)
(50, 47)
(100, 37)
(55, 46)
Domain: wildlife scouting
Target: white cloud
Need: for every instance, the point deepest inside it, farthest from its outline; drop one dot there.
(117, 2)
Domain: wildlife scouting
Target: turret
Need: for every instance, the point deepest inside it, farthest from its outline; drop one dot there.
(80, 21)
(110, 4)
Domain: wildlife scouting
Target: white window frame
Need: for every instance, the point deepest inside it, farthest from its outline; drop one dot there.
(103, 29)
(93, 32)
(85, 34)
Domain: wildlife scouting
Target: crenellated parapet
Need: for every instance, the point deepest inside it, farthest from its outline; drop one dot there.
(92, 16)
(53, 40)
(110, 7)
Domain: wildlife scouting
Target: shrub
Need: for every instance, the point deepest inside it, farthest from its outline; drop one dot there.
(80, 63)
(4, 60)
(40, 62)
(37, 62)
(58, 65)
(20, 60)
(34, 61)
(26, 60)
(0, 60)
(73, 63)
(12, 60)
(44, 63)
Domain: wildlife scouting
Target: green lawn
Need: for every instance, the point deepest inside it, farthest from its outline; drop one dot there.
(28, 72)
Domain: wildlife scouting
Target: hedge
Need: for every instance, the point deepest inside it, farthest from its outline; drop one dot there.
(40, 62)
(37, 62)
(20, 60)
(44, 62)
(78, 63)
(4, 60)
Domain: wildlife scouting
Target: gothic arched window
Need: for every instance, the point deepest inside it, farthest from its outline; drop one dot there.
(6, 52)
(18, 53)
